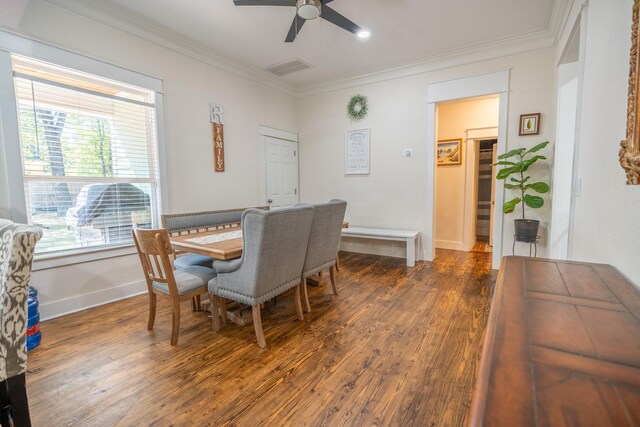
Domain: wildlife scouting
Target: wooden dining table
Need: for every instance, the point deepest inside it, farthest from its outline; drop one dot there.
(229, 248)
(224, 244)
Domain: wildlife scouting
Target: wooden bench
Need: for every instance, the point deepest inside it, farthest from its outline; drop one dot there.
(562, 347)
(195, 222)
(407, 236)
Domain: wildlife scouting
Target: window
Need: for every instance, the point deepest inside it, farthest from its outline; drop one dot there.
(89, 156)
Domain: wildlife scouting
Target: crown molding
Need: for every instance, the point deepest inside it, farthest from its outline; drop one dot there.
(468, 55)
(116, 17)
(136, 25)
(562, 13)
(556, 16)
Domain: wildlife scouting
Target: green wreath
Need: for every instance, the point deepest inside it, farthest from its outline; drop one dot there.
(357, 107)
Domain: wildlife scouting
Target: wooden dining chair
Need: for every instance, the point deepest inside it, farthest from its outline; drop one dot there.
(323, 244)
(156, 256)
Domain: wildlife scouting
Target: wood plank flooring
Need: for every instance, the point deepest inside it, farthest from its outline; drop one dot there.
(397, 346)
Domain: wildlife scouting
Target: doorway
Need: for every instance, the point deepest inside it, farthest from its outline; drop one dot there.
(485, 196)
(280, 167)
(493, 83)
(464, 187)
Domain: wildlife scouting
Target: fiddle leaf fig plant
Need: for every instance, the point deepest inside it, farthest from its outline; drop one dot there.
(514, 170)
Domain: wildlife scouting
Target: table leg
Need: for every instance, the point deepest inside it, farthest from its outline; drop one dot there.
(314, 280)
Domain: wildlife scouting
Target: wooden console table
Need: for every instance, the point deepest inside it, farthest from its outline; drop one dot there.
(562, 347)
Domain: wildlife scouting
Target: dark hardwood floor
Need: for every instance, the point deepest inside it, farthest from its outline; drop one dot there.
(397, 346)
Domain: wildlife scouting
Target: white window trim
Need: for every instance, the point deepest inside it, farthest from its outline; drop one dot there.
(10, 141)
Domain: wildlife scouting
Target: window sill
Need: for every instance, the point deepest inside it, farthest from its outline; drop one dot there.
(61, 259)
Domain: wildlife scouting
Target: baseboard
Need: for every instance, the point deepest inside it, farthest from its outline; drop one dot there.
(449, 244)
(76, 303)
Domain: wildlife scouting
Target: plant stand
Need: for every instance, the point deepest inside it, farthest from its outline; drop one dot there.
(532, 242)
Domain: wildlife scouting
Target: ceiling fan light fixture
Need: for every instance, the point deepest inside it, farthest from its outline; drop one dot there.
(308, 9)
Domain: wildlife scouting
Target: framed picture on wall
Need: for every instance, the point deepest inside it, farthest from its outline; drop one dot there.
(530, 124)
(356, 152)
(449, 152)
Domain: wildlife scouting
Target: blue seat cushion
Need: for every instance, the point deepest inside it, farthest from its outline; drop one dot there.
(188, 279)
(190, 260)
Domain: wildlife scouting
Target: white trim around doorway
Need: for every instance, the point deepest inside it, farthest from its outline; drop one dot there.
(495, 83)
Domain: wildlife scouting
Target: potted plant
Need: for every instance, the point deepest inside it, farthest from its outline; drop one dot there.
(514, 169)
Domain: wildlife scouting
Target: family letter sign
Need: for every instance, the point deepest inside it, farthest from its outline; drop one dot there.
(218, 137)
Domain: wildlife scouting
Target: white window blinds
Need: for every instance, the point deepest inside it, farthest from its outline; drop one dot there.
(89, 156)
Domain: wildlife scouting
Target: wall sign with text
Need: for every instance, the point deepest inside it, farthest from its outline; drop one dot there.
(356, 152)
(216, 112)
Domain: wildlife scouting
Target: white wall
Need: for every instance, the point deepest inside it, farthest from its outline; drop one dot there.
(455, 195)
(563, 160)
(606, 227)
(189, 86)
(394, 194)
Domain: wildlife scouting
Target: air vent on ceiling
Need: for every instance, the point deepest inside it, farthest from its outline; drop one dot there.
(288, 67)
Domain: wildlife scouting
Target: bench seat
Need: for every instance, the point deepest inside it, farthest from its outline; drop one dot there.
(193, 222)
(408, 236)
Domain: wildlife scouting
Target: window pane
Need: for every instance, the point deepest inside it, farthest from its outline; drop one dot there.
(82, 214)
(89, 156)
(68, 133)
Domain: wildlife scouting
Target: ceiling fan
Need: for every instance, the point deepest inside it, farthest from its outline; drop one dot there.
(306, 9)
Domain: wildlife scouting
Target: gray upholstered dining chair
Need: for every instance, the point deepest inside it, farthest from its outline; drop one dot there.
(323, 243)
(156, 256)
(17, 244)
(274, 246)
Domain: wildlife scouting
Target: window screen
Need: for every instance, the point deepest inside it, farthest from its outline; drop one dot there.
(89, 156)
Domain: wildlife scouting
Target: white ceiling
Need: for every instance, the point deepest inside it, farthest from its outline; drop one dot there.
(403, 31)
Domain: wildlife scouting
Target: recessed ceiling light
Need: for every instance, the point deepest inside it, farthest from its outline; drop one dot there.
(364, 34)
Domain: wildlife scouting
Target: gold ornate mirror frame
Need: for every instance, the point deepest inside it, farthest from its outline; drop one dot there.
(630, 148)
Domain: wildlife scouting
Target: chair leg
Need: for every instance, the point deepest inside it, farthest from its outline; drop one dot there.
(215, 308)
(305, 295)
(152, 310)
(223, 309)
(196, 303)
(257, 324)
(175, 324)
(332, 274)
(298, 303)
(19, 404)
(337, 263)
(5, 405)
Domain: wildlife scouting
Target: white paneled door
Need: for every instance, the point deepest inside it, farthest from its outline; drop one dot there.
(282, 172)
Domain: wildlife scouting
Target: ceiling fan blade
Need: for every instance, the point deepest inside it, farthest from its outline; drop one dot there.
(295, 28)
(264, 2)
(339, 20)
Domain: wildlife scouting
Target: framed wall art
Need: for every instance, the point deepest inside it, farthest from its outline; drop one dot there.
(356, 152)
(529, 124)
(449, 152)
(629, 152)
